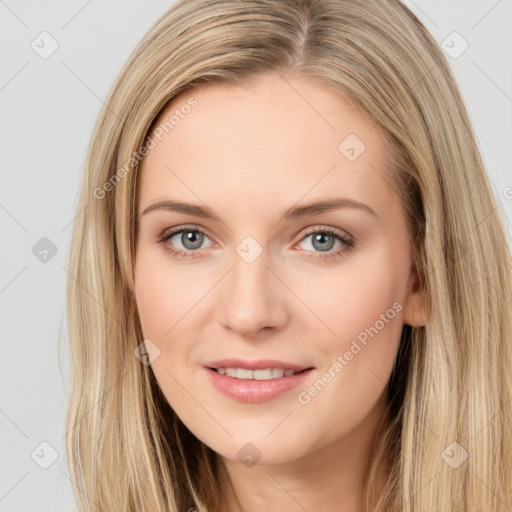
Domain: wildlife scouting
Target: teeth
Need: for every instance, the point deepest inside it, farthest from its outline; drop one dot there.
(242, 373)
(266, 374)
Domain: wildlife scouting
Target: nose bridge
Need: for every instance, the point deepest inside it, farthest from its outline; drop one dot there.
(252, 299)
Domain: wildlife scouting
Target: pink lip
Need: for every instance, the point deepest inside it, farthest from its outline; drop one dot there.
(259, 364)
(255, 391)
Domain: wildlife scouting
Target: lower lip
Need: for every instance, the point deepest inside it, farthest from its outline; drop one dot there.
(256, 391)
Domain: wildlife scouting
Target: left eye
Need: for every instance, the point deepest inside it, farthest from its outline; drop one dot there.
(324, 240)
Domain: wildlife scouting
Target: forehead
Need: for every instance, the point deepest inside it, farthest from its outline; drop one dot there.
(285, 137)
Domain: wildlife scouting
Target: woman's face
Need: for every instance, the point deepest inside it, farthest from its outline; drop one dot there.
(267, 276)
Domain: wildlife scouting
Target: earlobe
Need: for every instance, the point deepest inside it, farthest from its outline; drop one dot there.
(415, 313)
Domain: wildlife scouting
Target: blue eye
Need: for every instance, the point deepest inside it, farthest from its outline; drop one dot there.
(324, 239)
(192, 239)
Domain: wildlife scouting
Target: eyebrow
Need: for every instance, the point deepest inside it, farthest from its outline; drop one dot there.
(294, 212)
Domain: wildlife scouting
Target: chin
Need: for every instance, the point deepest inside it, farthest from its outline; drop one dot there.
(258, 451)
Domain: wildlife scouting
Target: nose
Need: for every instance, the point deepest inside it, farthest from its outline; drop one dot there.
(253, 298)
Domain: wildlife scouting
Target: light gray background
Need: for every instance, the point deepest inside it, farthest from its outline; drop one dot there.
(48, 109)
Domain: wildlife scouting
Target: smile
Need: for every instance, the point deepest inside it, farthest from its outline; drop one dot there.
(254, 387)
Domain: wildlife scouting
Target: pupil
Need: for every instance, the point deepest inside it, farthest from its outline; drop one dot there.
(320, 237)
(192, 239)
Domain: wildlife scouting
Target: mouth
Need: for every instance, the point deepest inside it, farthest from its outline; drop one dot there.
(256, 385)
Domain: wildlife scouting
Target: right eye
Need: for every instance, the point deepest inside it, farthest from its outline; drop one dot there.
(190, 238)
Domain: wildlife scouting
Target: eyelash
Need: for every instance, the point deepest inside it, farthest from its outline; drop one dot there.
(347, 243)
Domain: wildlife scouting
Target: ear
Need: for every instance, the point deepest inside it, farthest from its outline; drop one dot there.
(415, 313)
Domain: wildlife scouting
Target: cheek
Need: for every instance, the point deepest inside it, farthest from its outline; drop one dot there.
(363, 308)
(349, 300)
(361, 311)
(154, 302)
(164, 293)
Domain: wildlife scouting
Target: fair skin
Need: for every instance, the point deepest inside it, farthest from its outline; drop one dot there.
(248, 154)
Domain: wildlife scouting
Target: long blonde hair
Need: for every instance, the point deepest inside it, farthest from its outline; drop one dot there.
(126, 448)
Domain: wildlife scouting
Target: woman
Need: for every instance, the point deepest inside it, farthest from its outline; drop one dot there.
(224, 356)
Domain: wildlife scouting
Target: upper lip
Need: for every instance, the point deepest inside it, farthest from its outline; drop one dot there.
(259, 364)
